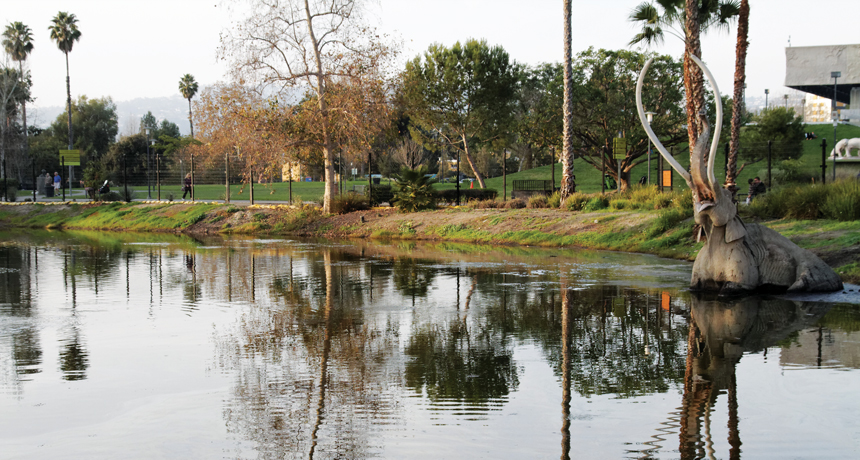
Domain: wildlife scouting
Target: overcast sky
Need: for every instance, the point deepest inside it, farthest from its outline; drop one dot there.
(133, 49)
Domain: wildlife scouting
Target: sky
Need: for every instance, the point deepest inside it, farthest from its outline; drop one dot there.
(140, 49)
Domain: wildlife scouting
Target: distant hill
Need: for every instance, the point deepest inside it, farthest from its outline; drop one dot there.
(172, 108)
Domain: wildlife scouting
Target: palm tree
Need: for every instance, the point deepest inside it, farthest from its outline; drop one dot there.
(64, 31)
(737, 107)
(568, 185)
(18, 43)
(694, 17)
(188, 88)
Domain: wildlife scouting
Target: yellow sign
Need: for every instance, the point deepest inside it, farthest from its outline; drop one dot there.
(619, 146)
(70, 157)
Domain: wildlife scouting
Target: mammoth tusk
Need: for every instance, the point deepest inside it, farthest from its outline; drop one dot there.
(719, 122)
(659, 145)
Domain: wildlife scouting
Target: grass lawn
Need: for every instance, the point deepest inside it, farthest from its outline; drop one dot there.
(587, 177)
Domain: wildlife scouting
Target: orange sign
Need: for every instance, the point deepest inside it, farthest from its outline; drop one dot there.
(667, 178)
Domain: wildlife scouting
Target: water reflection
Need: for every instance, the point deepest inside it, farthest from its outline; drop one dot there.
(359, 350)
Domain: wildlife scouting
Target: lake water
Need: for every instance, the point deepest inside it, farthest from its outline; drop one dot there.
(118, 345)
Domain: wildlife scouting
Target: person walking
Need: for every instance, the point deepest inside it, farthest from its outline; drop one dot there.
(57, 181)
(186, 186)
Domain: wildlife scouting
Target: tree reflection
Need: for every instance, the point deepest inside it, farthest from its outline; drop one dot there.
(313, 378)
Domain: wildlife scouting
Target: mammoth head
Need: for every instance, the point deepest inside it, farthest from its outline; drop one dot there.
(712, 203)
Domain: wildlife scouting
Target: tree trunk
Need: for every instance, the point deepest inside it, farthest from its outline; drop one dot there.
(190, 122)
(69, 105)
(738, 105)
(328, 156)
(693, 78)
(568, 184)
(471, 162)
(24, 113)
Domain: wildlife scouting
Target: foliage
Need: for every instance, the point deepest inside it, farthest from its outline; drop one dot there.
(782, 127)
(349, 202)
(380, 194)
(324, 52)
(516, 203)
(128, 153)
(414, 191)
(538, 202)
(94, 123)
(461, 96)
(538, 111)
(467, 195)
(837, 201)
(64, 31)
(554, 200)
(604, 105)
(576, 201)
(596, 203)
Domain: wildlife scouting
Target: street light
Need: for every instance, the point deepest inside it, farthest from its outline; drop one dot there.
(835, 75)
(766, 92)
(785, 96)
(650, 117)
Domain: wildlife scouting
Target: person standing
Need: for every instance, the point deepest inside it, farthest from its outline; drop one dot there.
(57, 181)
(186, 186)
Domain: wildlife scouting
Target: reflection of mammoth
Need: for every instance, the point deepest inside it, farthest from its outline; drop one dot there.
(720, 333)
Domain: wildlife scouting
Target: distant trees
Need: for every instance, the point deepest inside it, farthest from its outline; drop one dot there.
(779, 126)
(465, 94)
(18, 44)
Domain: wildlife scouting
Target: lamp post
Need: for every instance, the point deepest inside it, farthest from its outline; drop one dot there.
(148, 183)
(650, 117)
(766, 92)
(785, 96)
(157, 170)
(835, 75)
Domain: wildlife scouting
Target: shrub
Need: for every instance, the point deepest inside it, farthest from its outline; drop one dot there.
(621, 203)
(554, 200)
(576, 201)
(596, 204)
(467, 195)
(669, 218)
(537, 202)
(516, 203)
(843, 201)
(111, 196)
(414, 190)
(484, 204)
(349, 202)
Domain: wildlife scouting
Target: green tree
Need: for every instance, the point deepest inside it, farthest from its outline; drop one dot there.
(13, 91)
(188, 88)
(18, 43)
(64, 31)
(414, 190)
(129, 153)
(777, 125)
(95, 121)
(604, 105)
(465, 93)
(539, 113)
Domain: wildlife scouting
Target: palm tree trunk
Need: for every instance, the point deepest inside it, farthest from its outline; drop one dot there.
(693, 78)
(568, 184)
(190, 122)
(738, 106)
(24, 110)
(69, 104)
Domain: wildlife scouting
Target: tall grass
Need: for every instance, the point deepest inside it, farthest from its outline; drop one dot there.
(836, 201)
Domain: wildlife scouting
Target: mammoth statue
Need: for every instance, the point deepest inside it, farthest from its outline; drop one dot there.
(738, 257)
(844, 147)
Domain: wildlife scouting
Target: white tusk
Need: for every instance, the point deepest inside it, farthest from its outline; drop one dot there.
(644, 120)
(719, 123)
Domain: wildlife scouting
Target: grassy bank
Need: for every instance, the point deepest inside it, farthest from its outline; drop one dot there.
(666, 232)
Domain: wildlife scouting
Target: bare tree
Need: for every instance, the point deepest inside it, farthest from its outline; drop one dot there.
(305, 48)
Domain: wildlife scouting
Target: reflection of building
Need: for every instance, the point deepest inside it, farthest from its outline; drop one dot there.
(808, 69)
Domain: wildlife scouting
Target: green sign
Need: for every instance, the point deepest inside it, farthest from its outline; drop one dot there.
(619, 148)
(70, 157)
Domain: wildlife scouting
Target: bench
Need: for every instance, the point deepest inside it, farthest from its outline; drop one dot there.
(527, 188)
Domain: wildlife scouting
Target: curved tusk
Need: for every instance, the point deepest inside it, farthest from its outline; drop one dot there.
(644, 120)
(719, 122)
